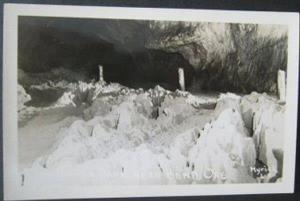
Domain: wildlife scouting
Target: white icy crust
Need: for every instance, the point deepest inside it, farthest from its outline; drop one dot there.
(267, 125)
(23, 97)
(128, 136)
(24, 111)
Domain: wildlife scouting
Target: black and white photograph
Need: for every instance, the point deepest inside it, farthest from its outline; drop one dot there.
(112, 101)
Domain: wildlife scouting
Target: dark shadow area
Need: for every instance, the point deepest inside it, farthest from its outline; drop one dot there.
(71, 49)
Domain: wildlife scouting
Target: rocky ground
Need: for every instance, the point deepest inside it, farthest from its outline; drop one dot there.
(98, 133)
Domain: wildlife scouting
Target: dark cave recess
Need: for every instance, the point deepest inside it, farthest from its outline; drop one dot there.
(44, 48)
(133, 54)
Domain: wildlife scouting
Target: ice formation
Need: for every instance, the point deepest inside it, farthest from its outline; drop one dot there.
(267, 125)
(131, 136)
(24, 112)
(23, 97)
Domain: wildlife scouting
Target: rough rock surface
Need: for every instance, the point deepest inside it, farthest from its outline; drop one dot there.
(226, 55)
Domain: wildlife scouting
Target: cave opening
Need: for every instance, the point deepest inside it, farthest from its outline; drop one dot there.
(143, 54)
(51, 50)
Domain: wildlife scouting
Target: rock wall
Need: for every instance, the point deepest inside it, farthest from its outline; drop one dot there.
(215, 56)
(240, 57)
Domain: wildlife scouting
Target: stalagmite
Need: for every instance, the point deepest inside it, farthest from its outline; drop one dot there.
(281, 85)
(101, 73)
(181, 78)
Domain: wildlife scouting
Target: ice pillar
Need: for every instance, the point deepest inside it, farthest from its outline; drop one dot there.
(281, 85)
(101, 73)
(181, 78)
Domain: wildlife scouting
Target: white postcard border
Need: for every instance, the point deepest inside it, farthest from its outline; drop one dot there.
(12, 190)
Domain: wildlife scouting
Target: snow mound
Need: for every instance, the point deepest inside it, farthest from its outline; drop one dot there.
(66, 99)
(223, 153)
(63, 84)
(228, 100)
(132, 136)
(201, 101)
(131, 167)
(123, 128)
(175, 111)
(24, 112)
(84, 93)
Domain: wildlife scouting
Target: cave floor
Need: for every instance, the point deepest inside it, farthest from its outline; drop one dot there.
(37, 136)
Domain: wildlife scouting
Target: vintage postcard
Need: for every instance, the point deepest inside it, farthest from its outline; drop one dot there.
(125, 102)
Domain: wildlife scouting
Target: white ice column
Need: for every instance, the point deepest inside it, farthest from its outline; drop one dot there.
(101, 73)
(181, 78)
(281, 85)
